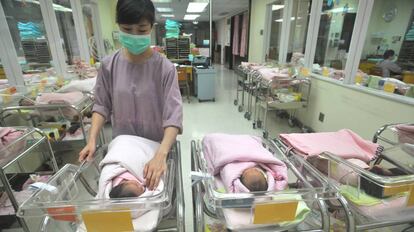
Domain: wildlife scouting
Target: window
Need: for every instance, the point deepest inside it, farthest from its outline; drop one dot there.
(275, 12)
(299, 27)
(391, 27)
(67, 31)
(334, 37)
(27, 29)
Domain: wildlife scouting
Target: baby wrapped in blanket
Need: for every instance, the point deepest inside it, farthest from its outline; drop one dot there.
(122, 172)
(243, 164)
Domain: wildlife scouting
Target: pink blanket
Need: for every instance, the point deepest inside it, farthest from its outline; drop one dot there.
(271, 73)
(230, 155)
(405, 133)
(57, 98)
(344, 143)
(7, 136)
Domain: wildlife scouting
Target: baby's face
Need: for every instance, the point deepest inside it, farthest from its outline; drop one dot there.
(134, 187)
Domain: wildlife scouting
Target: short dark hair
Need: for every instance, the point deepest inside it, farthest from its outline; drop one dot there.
(133, 11)
(388, 54)
(120, 191)
(254, 186)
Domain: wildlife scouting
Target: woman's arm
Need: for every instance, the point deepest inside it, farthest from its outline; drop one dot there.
(101, 111)
(157, 166)
(97, 123)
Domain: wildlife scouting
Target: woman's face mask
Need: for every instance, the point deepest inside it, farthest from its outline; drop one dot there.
(136, 44)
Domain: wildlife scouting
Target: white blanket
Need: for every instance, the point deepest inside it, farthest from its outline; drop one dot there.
(126, 153)
(86, 85)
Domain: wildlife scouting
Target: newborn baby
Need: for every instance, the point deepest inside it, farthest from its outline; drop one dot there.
(126, 185)
(255, 179)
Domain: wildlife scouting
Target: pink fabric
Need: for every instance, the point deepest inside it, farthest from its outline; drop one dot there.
(57, 98)
(342, 173)
(385, 209)
(236, 42)
(7, 136)
(124, 176)
(243, 42)
(405, 133)
(230, 155)
(271, 73)
(344, 143)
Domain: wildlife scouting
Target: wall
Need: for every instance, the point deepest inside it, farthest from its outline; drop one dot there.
(223, 36)
(107, 17)
(257, 23)
(348, 108)
(397, 27)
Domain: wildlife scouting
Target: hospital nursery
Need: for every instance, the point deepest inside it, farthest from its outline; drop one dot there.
(206, 115)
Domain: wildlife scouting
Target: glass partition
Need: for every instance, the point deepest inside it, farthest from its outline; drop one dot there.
(387, 61)
(334, 37)
(27, 29)
(298, 28)
(67, 31)
(275, 12)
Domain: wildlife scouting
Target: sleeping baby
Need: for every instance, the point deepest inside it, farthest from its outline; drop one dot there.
(122, 168)
(254, 179)
(126, 185)
(243, 164)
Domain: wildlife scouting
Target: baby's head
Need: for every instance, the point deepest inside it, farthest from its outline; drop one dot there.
(127, 188)
(254, 179)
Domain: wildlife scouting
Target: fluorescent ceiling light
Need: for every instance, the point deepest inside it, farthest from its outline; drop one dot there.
(277, 7)
(164, 9)
(340, 10)
(190, 17)
(196, 7)
(281, 20)
(168, 15)
(162, 1)
(56, 7)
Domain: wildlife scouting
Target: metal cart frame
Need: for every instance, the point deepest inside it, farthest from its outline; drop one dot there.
(351, 223)
(14, 158)
(175, 203)
(199, 186)
(302, 84)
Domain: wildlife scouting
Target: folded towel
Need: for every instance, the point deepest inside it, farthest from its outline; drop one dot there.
(358, 197)
(344, 143)
(237, 219)
(230, 155)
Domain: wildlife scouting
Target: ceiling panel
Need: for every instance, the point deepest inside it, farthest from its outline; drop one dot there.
(221, 8)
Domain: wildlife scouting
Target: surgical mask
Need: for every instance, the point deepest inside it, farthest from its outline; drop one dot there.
(136, 44)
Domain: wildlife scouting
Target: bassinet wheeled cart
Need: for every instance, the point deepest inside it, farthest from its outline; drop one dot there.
(72, 206)
(301, 207)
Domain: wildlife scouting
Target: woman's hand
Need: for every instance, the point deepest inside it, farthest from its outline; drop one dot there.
(154, 169)
(87, 152)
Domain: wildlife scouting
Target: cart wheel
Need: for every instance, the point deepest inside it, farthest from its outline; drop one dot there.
(248, 116)
(254, 125)
(291, 123)
(259, 124)
(265, 134)
(240, 108)
(236, 102)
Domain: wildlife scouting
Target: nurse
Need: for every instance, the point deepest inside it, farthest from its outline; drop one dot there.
(137, 90)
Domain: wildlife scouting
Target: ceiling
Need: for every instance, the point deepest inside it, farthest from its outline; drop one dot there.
(221, 9)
